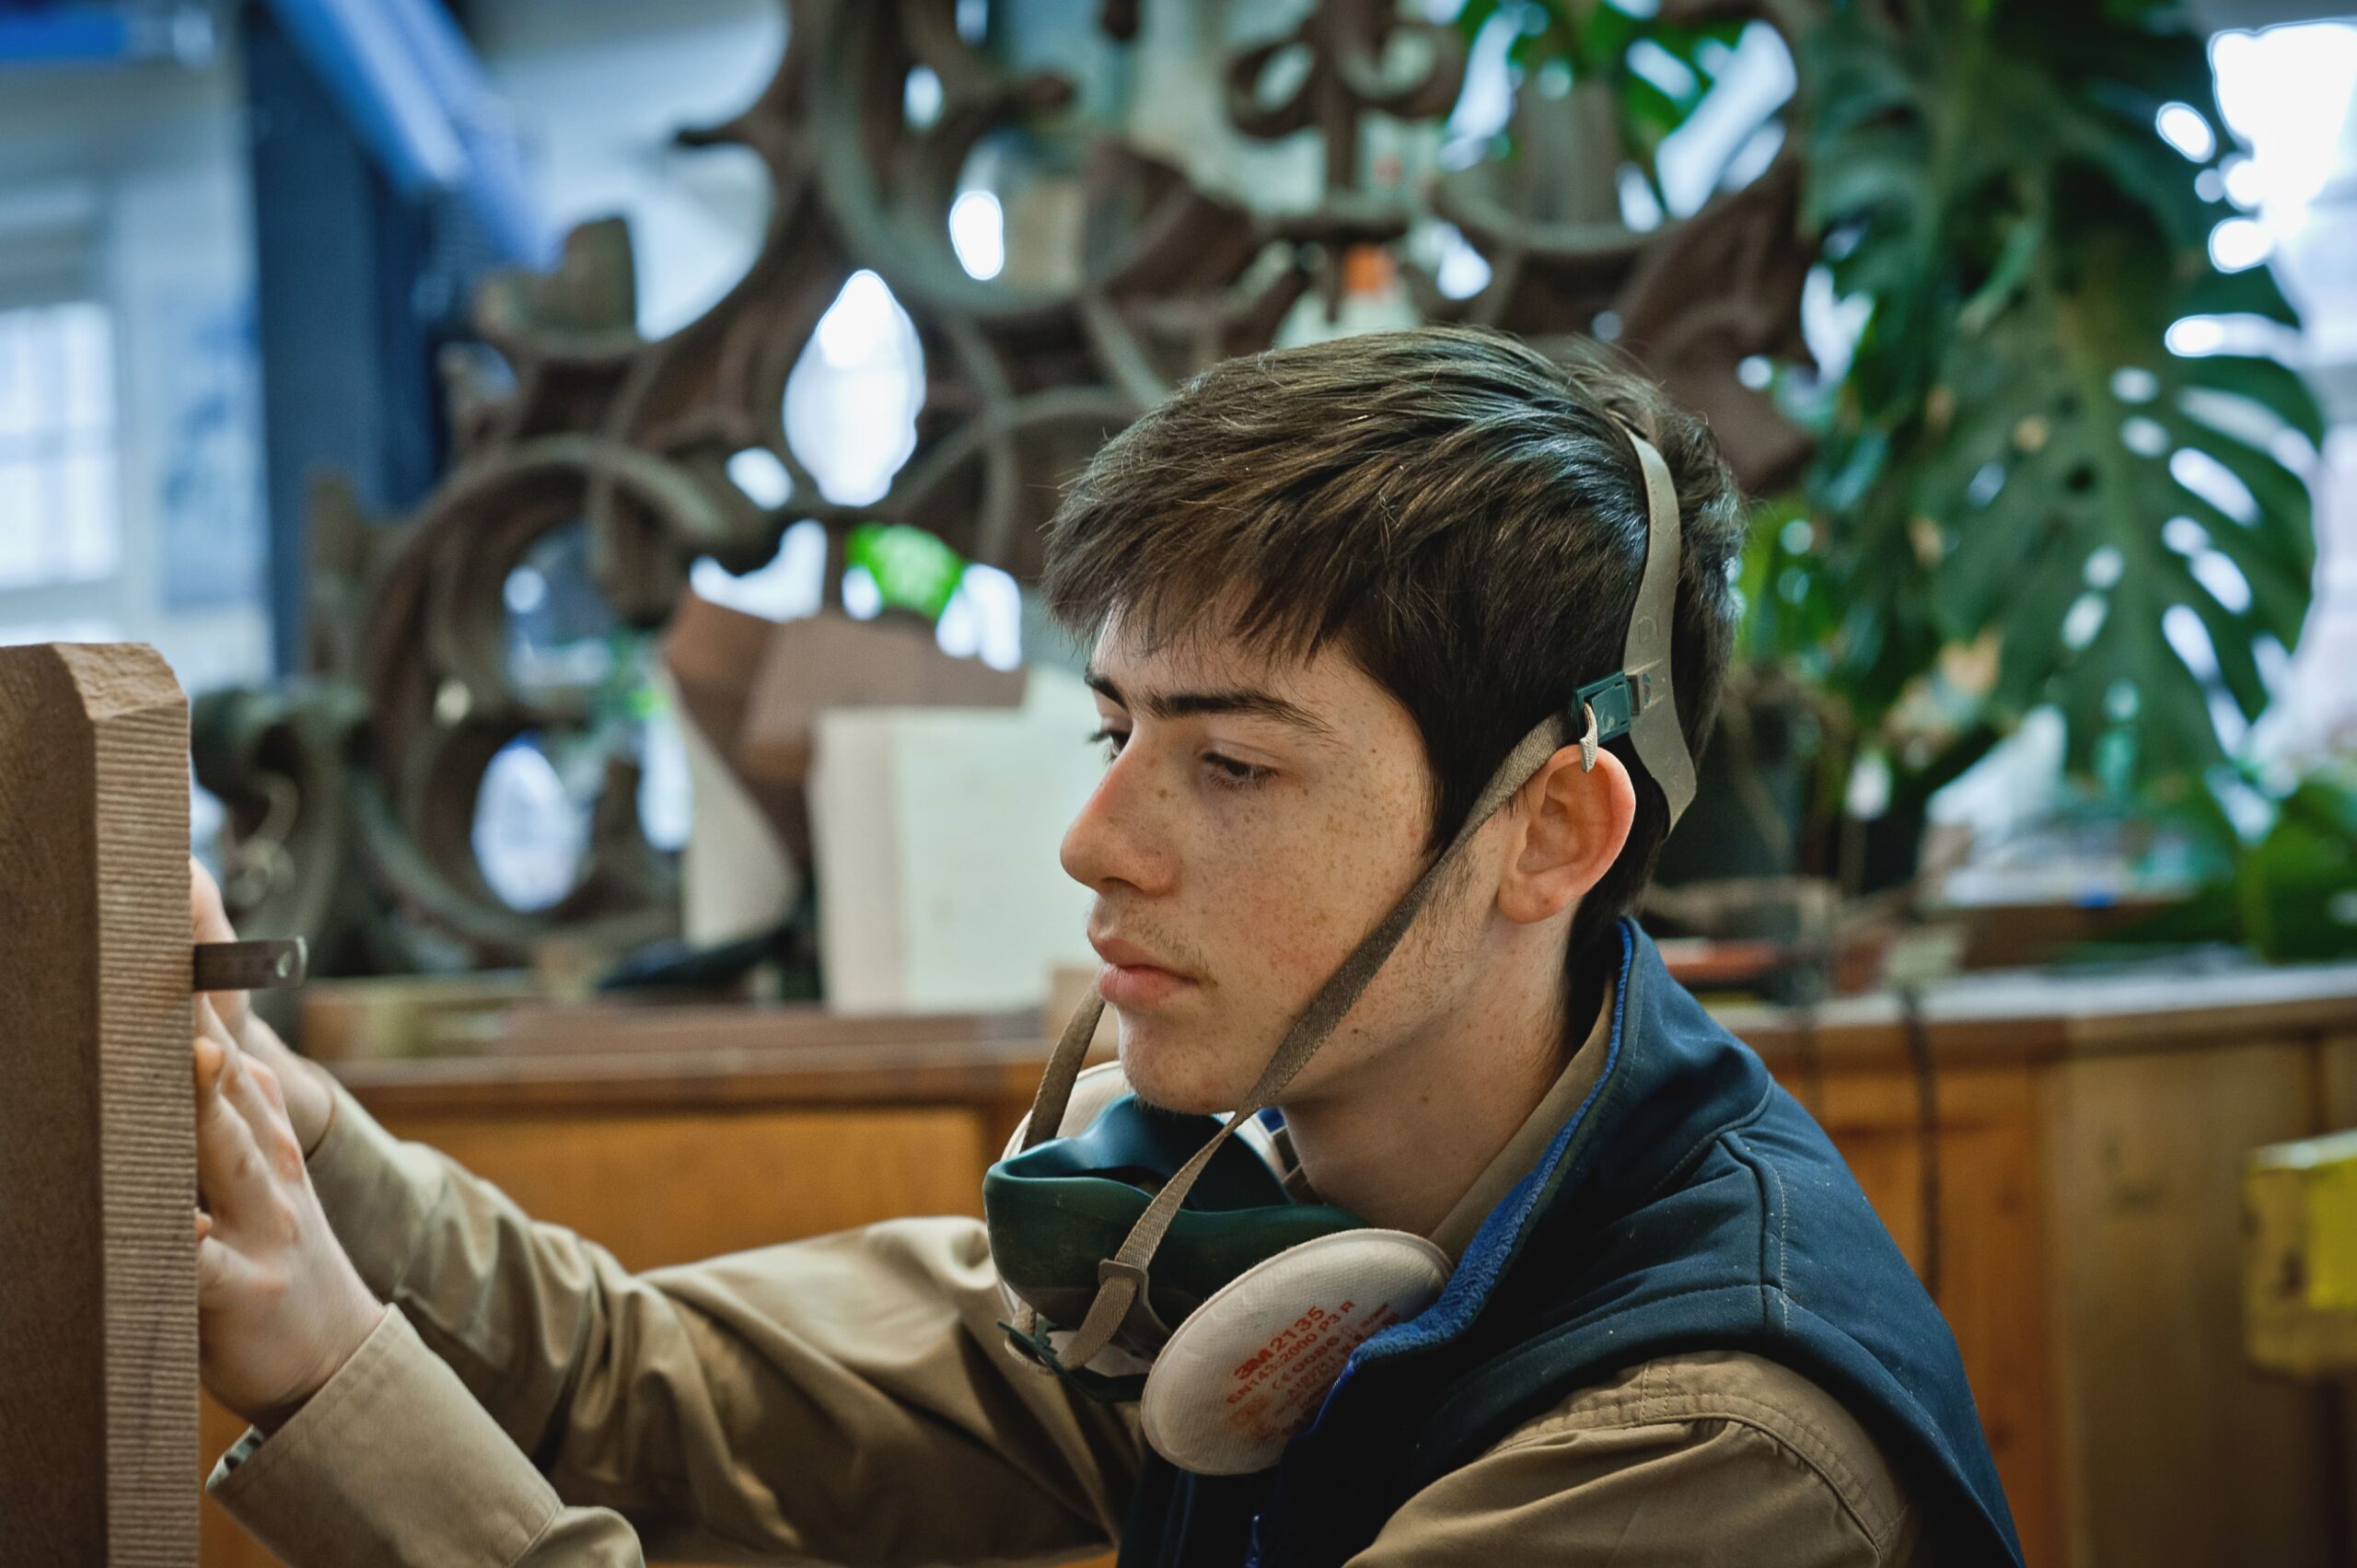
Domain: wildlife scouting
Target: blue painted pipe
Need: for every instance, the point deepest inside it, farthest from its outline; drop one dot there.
(419, 102)
(64, 35)
(499, 194)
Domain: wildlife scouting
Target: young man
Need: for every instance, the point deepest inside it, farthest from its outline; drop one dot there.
(1345, 600)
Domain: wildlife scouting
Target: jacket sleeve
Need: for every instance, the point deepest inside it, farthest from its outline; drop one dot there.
(1714, 1458)
(847, 1399)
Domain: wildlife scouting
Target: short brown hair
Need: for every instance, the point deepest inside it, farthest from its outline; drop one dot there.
(1460, 514)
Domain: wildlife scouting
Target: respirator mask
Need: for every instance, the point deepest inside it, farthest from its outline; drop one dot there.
(1157, 1256)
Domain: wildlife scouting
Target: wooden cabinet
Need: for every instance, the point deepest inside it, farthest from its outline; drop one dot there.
(2071, 1197)
(1982, 1173)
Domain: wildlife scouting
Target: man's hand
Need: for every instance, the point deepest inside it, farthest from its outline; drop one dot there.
(311, 1101)
(279, 1308)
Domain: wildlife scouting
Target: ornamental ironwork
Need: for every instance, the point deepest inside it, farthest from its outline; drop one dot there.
(352, 792)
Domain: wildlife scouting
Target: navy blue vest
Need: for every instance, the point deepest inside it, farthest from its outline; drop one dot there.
(1689, 1204)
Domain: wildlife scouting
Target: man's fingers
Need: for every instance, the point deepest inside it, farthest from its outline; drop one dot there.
(254, 1089)
(210, 1023)
(251, 1084)
(236, 1078)
(271, 1086)
(303, 1087)
(230, 1171)
(221, 1273)
(206, 1058)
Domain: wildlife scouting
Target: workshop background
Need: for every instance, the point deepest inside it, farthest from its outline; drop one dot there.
(585, 460)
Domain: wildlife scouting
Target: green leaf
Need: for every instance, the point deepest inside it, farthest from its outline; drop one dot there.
(1995, 546)
(1873, 168)
(2006, 279)
(2032, 642)
(2146, 171)
(2280, 494)
(2301, 874)
(2251, 292)
(2230, 639)
(1647, 107)
(2269, 383)
(912, 569)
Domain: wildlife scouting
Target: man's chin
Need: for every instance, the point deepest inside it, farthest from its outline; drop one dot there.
(1172, 1074)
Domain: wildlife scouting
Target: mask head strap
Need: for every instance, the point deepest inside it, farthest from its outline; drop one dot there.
(1635, 702)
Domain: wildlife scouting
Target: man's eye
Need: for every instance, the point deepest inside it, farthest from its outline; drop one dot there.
(1229, 773)
(1112, 740)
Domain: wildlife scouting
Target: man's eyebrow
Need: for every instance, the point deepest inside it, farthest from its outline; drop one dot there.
(1247, 701)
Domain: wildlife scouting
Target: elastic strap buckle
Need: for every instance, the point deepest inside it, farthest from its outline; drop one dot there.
(1613, 700)
(1140, 1324)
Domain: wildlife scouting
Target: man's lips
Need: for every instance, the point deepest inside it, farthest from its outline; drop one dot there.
(1128, 955)
(1133, 977)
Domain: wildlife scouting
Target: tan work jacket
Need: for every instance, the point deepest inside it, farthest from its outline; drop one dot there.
(851, 1399)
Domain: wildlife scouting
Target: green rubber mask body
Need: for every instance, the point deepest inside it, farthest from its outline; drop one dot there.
(1056, 1211)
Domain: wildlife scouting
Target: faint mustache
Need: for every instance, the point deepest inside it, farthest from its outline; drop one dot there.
(1169, 954)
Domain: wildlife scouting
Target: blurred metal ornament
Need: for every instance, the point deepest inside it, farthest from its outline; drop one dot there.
(352, 792)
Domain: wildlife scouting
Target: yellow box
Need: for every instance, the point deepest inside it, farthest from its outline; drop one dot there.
(2300, 1256)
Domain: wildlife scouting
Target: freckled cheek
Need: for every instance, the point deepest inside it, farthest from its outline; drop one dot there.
(1287, 903)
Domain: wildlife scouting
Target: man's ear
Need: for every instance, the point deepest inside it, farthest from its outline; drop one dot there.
(1569, 826)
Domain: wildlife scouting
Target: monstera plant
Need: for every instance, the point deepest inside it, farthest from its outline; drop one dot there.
(2021, 496)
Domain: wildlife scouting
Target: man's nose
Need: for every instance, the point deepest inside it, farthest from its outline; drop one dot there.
(1116, 841)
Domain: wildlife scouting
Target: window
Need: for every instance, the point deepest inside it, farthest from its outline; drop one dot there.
(59, 523)
(2288, 93)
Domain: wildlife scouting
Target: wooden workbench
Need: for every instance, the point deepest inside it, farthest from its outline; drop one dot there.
(2076, 1201)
